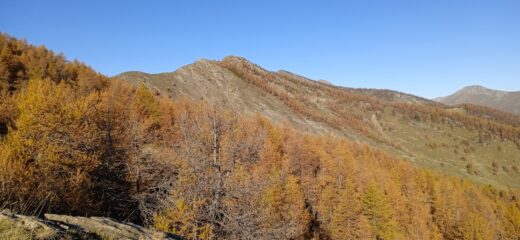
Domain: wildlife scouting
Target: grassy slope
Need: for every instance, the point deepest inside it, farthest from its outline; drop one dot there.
(451, 150)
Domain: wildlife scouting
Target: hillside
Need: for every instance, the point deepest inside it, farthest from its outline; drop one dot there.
(470, 141)
(478, 95)
(132, 162)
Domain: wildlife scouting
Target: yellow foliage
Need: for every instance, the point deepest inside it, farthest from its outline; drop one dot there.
(346, 222)
(145, 104)
(283, 205)
(512, 226)
(476, 227)
(379, 214)
(181, 220)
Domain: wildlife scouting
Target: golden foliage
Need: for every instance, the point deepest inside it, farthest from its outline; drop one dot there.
(89, 147)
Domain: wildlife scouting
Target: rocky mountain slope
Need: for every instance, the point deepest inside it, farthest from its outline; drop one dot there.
(475, 142)
(479, 95)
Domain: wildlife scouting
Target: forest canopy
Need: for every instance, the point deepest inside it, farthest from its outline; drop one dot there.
(80, 144)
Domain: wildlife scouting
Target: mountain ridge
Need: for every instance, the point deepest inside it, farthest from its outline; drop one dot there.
(199, 169)
(390, 120)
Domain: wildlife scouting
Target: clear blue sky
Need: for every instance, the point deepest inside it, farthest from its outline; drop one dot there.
(426, 48)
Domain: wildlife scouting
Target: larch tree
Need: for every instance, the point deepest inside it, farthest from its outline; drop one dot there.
(347, 222)
(283, 208)
(476, 227)
(54, 160)
(379, 213)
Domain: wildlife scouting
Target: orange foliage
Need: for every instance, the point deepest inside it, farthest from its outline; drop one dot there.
(205, 172)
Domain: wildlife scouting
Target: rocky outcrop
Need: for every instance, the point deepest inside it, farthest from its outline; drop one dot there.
(16, 226)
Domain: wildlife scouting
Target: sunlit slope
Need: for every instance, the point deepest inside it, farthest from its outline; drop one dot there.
(474, 142)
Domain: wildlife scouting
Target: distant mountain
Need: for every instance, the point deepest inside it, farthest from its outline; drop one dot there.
(479, 95)
(467, 140)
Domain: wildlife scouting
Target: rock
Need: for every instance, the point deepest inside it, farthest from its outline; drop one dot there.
(16, 226)
(20, 226)
(109, 228)
(324, 82)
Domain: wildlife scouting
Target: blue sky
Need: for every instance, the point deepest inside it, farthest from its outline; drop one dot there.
(425, 48)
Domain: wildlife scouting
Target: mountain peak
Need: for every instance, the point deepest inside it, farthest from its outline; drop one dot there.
(475, 89)
(480, 90)
(235, 58)
(479, 95)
